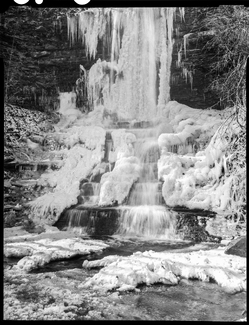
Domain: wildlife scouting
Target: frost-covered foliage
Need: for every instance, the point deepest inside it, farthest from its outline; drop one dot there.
(140, 44)
(85, 152)
(194, 164)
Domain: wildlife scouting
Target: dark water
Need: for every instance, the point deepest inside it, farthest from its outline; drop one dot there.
(188, 301)
(118, 247)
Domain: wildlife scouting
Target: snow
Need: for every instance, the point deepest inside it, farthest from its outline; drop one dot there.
(37, 253)
(125, 273)
(193, 162)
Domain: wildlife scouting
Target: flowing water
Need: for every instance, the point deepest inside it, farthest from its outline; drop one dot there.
(145, 215)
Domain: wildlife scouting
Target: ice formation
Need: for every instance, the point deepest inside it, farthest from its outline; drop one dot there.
(193, 162)
(136, 78)
(116, 185)
(132, 83)
(37, 253)
(85, 152)
(125, 273)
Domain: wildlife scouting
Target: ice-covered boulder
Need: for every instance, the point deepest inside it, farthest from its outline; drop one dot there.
(125, 273)
(116, 185)
(37, 253)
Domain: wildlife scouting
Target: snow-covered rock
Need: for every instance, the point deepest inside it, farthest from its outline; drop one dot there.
(193, 165)
(125, 273)
(37, 253)
(116, 185)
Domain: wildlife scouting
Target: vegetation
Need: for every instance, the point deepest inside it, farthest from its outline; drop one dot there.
(229, 45)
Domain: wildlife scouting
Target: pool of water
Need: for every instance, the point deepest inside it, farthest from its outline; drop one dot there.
(188, 301)
(118, 246)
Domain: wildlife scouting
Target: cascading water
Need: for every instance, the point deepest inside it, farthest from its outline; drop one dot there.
(134, 85)
(145, 215)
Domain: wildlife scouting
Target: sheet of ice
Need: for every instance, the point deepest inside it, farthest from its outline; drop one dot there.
(125, 273)
(37, 253)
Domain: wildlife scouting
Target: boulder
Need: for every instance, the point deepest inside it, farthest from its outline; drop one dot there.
(237, 247)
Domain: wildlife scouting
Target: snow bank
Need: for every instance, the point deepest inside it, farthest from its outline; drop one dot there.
(87, 151)
(125, 273)
(40, 252)
(193, 164)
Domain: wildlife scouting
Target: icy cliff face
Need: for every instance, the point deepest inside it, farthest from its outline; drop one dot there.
(140, 43)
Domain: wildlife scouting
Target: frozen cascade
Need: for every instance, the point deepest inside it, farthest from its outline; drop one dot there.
(135, 84)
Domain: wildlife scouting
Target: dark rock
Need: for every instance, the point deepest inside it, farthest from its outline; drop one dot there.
(37, 230)
(95, 221)
(197, 94)
(191, 229)
(237, 247)
(9, 219)
(40, 54)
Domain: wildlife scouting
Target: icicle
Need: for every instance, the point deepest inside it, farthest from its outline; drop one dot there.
(179, 58)
(127, 84)
(182, 13)
(185, 42)
(71, 29)
(166, 55)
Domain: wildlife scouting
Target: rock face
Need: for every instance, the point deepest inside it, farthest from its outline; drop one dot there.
(189, 81)
(237, 247)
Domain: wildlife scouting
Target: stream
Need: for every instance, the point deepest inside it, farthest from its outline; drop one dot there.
(190, 300)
